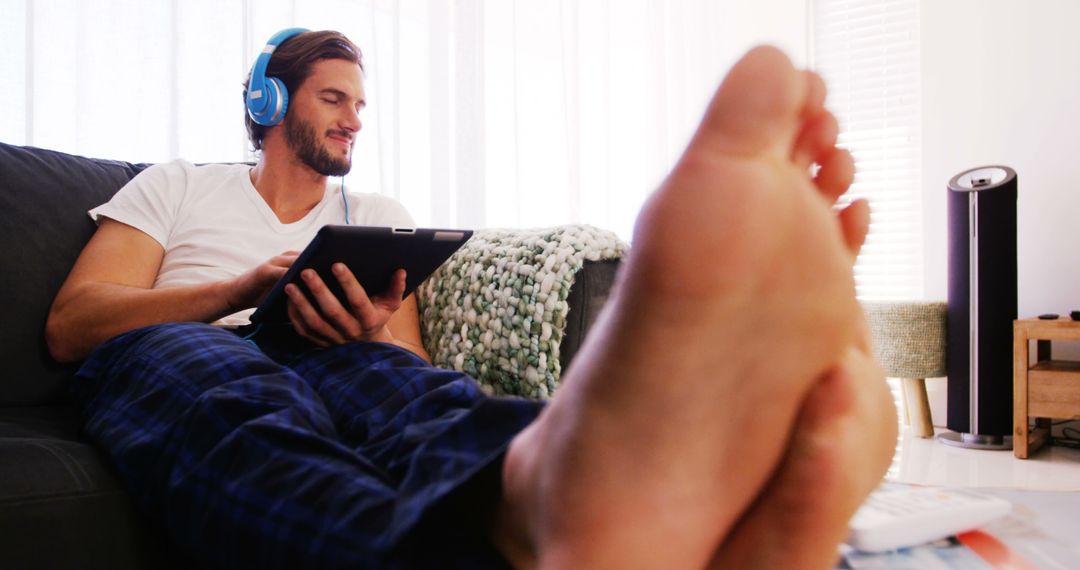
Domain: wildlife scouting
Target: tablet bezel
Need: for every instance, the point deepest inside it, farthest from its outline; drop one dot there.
(372, 254)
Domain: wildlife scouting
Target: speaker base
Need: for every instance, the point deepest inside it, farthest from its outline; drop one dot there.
(976, 441)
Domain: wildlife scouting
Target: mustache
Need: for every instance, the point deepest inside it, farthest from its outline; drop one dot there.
(345, 134)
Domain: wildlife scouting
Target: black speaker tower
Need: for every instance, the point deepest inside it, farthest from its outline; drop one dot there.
(982, 306)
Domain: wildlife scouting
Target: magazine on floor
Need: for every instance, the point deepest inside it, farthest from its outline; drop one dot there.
(1039, 533)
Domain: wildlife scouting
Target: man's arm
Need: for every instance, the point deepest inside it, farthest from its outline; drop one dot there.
(109, 291)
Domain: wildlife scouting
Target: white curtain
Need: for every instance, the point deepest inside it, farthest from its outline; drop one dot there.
(482, 113)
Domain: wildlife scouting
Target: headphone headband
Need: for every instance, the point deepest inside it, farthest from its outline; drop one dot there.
(267, 98)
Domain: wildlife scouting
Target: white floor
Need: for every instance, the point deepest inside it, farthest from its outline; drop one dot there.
(930, 462)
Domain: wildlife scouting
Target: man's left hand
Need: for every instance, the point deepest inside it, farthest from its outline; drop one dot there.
(327, 322)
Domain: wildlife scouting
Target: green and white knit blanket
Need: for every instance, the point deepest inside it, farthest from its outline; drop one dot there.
(497, 308)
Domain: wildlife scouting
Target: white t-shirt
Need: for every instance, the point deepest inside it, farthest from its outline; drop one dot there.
(214, 225)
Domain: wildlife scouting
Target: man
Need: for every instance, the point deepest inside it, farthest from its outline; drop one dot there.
(293, 201)
(724, 414)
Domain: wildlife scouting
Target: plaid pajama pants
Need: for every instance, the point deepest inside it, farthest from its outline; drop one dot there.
(355, 456)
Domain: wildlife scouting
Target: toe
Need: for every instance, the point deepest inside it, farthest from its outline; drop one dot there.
(816, 140)
(835, 174)
(815, 93)
(757, 107)
(854, 224)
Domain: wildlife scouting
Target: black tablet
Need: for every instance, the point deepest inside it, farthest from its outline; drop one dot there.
(373, 254)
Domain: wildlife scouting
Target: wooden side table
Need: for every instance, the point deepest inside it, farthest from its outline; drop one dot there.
(1044, 390)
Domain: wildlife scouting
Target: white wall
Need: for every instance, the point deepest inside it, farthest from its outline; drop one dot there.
(782, 23)
(1001, 85)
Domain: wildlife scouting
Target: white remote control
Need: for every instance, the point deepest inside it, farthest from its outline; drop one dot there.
(897, 516)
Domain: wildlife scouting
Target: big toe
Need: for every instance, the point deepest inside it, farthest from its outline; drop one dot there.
(758, 106)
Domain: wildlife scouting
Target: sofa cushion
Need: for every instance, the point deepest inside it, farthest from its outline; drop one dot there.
(61, 503)
(44, 196)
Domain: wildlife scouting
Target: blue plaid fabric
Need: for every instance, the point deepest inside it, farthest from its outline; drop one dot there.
(269, 456)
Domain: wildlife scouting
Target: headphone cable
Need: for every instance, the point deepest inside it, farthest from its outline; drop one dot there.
(343, 200)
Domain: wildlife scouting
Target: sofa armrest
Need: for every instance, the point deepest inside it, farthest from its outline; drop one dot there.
(588, 295)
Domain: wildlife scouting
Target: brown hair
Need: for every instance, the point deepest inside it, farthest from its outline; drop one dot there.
(292, 61)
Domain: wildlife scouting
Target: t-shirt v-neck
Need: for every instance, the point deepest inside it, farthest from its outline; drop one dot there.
(271, 219)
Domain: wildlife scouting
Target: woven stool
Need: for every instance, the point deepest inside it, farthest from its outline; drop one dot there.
(909, 342)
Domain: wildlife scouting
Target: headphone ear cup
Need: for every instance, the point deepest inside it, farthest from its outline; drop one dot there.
(275, 100)
(279, 101)
(267, 97)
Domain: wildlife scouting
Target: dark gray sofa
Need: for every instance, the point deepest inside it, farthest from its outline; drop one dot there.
(60, 504)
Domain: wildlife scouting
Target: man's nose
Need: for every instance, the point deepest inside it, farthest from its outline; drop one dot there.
(351, 122)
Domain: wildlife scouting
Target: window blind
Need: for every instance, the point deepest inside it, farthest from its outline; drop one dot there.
(868, 53)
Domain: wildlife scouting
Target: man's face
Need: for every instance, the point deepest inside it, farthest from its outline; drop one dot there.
(323, 116)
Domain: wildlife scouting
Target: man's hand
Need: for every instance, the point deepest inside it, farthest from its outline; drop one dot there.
(110, 290)
(249, 289)
(328, 322)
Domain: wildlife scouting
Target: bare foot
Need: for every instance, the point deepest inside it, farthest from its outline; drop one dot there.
(736, 298)
(844, 438)
(842, 446)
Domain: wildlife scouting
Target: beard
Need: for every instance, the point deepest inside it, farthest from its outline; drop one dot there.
(301, 138)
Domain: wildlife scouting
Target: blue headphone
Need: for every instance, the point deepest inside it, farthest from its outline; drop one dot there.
(267, 98)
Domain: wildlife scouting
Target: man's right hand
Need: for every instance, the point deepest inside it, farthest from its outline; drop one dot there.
(250, 288)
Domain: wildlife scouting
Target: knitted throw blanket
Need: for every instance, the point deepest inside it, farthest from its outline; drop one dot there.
(497, 308)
